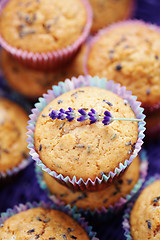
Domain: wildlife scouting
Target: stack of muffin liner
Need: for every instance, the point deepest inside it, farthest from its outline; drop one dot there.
(26, 161)
(52, 59)
(126, 217)
(66, 209)
(81, 81)
(111, 209)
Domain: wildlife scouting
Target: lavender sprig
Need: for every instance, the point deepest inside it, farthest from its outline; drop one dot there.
(93, 116)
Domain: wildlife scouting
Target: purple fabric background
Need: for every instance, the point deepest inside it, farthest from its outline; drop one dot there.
(24, 187)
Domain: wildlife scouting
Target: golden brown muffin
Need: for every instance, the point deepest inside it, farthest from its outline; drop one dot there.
(42, 224)
(80, 148)
(29, 82)
(42, 26)
(13, 123)
(96, 200)
(33, 83)
(145, 215)
(106, 12)
(129, 53)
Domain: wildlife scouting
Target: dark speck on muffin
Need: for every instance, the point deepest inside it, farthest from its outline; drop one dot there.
(118, 67)
(148, 91)
(120, 181)
(24, 155)
(130, 181)
(43, 115)
(60, 101)
(69, 230)
(39, 219)
(105, 200)
(40, 147)
(46, 220)
(148, 224)
(109, 103)
(73, 237)
(31, 231)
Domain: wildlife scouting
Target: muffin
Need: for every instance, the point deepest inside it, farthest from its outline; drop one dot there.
(120, 189)
(12, 135)
(65, 149)
(60, 145)
(108, 12)
(44, 31)
(40, 223)
(145, 217)
(27, 81)
(131, 58)
(33, 83)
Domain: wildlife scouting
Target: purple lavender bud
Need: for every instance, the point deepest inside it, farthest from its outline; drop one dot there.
(93, 121)
(70, 115)
(107, 113)
(81, 119)
(93, 111)
(62, 110)
(93, 116)
(82, 112)
(70, 109)
(61, 116)
(54, 114)
(106, 120)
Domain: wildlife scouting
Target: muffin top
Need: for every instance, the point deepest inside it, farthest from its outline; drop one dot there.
(40, 223)
(104, 198)
(145, 215)
(13, 123)
(29, 82)
(129, 53)
(80, 148)
(42, 26)
(108, 12)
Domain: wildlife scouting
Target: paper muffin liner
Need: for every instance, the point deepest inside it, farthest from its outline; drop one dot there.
(148, 108)
(111, 209)
(53, 59)
(80, 184)
(26, 161)
(66, 209)
(126, 217)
